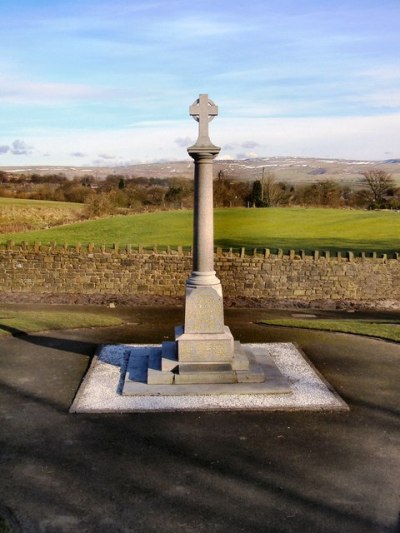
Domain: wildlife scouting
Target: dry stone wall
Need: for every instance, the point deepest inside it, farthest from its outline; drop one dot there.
(259, 275)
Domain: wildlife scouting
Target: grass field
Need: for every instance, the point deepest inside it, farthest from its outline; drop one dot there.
(20, 215)
(380, 329)
(287, 228)
(22, 321)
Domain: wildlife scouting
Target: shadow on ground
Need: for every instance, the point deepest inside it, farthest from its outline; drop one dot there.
(233, 472)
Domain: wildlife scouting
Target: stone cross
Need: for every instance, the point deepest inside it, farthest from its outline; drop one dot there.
(204, 350)
(203, 110)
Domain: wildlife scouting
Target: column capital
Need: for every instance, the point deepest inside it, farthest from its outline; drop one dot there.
(199, 153)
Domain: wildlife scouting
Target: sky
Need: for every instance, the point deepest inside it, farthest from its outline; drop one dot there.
(90, 82)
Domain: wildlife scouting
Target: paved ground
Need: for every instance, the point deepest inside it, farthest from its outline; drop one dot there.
(193, 472)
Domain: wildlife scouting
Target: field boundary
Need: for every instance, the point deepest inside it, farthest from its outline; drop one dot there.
(247, 275)
(238, 251)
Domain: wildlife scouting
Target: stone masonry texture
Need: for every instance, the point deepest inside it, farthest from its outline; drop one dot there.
(52, 269)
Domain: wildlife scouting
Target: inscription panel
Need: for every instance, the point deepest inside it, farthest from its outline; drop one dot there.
(203, 311)
(205, 350)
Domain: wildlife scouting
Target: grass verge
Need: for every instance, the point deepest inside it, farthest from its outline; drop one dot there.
(382, 330)
(19, 322)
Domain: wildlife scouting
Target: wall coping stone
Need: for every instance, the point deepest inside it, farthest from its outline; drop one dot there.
(242, 252)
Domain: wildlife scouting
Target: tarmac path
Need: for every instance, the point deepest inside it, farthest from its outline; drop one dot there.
(194, 472)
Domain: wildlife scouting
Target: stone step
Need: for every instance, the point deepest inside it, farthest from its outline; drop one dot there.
(190, 368)
(240, 359)
(158, 377)
(169, 356)
(205, 377)
(254, 375)
(144, 358)
(205, 373)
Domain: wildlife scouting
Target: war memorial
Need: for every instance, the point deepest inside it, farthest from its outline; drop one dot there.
(204, 367)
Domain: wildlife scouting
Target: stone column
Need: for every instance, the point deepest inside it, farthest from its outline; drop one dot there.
(203, 273)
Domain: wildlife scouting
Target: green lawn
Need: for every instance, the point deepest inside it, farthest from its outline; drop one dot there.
(21, 321)
(380, 329)
(287, 228)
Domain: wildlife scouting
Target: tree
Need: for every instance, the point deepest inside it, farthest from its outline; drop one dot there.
(272, 193)
(3, 177)
(326, 192)
(224, 191)
(380, 185)
(97, 205)
(255, 197)
(174, 195)
(88, 180)
(73, 191)
(155, 195)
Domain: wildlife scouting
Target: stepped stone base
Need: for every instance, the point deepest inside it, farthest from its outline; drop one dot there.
(204, 351)
(144, 375)
(163, 367)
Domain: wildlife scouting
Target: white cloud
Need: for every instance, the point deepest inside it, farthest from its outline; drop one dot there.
(184, 141)
(388, 98)
(14, 89)
(19, 147)
(106, 156)
(365, 138)
(388, 73)
(224, 156)
(246, 155)
(343, 137)
(250, 144)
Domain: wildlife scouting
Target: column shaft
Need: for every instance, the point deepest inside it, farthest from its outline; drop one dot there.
(203, 223)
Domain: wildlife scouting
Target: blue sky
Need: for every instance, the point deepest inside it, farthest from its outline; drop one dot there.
(94, 82)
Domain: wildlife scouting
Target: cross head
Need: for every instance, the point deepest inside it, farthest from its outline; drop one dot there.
(203, 110)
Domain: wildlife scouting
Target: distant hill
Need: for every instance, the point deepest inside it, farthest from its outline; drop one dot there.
(298, 170)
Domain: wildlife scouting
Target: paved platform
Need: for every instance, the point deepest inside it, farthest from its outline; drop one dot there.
(291, 384)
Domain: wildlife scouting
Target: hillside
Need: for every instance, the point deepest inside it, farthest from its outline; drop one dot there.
(18, 215)
(290, 169)
(287, 228)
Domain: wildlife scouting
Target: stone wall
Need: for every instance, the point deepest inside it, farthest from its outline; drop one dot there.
(257, 275)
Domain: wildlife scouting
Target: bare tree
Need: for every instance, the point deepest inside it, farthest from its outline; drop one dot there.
(272, 193)
(379, 185)
(324, 192)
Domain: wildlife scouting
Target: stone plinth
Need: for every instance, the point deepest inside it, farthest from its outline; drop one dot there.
(204, 347)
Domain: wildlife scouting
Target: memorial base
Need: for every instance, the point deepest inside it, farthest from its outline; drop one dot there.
(144, 375)
(204, 351)
(207, 365)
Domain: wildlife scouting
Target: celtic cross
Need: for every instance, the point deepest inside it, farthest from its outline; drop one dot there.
(203, 110)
